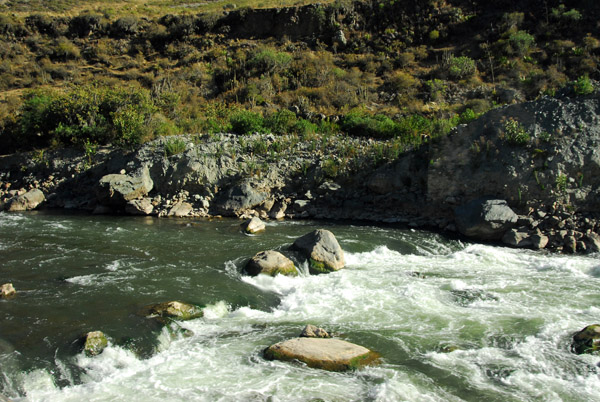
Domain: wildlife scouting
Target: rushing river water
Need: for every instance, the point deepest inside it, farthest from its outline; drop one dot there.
(453, 321)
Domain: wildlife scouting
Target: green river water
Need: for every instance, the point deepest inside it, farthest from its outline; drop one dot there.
(453, 321)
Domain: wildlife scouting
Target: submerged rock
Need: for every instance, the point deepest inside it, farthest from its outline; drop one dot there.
(322, 249)
(26, 202)
(485, 219)
(587, 340)
(173, 309)
(253, 225)
(270, 263)
(312, 331)
(7, 291)
(326, 354)
(95, 342)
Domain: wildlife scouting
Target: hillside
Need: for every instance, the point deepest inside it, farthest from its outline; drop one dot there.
(398, 71)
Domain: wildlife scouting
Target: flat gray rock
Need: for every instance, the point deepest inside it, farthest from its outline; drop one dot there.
(322, 353)
(485, 219)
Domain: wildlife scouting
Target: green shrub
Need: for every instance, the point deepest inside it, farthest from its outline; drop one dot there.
(281, 122)
(583, 85)
(360, 124)
(515, 133)
(174, 146)
(305, 128)
(461, 67)
(246, 122)
(96, 114)
(521, 42)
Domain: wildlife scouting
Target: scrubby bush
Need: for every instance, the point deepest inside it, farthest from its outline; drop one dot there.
(583, 86)
(521, 42)
(360, 124)
(246, 122)
(281, 122)
(88, 114)
(461, 67)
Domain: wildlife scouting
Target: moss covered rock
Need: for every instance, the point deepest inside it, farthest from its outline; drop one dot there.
(95, 342)
(322, 250)
(587, 340)
(173, 309)
(322, 353)
(270, 263)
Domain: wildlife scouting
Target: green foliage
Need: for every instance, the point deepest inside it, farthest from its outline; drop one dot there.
(174, 146)
(561, 183)
(515, 133)
(87, 114)
(267, 60)
(461, 67)
(246, 122)
(521, 42)
(281, 122)
(583, 85)
(360, 124)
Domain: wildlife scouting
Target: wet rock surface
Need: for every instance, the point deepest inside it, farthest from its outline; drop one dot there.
(270, 263)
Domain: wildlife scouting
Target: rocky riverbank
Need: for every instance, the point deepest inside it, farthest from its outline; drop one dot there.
(539, 161)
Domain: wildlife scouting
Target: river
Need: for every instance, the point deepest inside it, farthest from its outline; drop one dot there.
(453, 321)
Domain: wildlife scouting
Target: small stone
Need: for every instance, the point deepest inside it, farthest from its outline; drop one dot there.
(312, 331)
(173, 309)
(539, 241)
(7, 291)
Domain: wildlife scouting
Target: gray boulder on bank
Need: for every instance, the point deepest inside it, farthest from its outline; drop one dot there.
(322, 250)
(26, 202)
(270, 263)
(180, 210)
(253, 225)
(118, 189)
(240, 198)
(485, 219)
(140, 207)
(321, 353)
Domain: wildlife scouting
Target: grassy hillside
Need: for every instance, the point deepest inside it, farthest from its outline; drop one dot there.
(93, 72)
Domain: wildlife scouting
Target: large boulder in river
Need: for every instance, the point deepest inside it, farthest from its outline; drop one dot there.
(26, 202)
(270, 263)
(173, 309)
(322, 250)
(119, 189)
(485, 219)
(322, 353)
(95, 343)
(253, 226)
(587, 340)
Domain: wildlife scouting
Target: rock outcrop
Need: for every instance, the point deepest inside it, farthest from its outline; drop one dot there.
(587, 340)
(321, 353)
(7, 291)
(270, 263)
(26, 202)
(322, 250)
(485, 219)
(95, 343)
